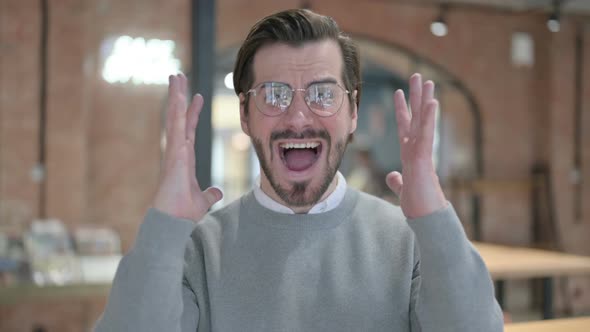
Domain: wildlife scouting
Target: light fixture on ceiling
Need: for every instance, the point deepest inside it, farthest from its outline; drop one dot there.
(438, 27)
(553, 22)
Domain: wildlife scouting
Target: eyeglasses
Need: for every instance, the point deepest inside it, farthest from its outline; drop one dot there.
(274, 98)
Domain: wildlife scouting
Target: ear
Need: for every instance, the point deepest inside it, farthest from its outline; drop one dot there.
(354, 113)
(243, 115)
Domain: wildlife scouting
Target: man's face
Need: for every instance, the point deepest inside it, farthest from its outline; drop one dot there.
(299, 151)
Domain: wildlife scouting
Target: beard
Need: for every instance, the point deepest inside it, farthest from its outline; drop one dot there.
(300, 193)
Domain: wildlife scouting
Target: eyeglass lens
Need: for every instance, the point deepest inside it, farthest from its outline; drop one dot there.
(322, 98)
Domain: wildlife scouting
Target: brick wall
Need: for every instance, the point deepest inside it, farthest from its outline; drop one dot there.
(103, 140)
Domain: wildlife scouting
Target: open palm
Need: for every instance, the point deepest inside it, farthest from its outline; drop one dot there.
(179, 193)
(419, 188)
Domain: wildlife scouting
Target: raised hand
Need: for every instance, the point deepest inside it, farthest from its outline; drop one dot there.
(419, 190)
(179, 193)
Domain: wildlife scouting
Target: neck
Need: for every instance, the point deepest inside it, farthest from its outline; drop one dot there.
(268, 189)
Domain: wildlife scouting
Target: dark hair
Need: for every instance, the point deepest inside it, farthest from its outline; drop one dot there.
(295, 27)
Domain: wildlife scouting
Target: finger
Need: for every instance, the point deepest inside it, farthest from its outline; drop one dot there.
(395, 182)
(172, 88)
(184, 83)
(176, 118)
(191, 127)
(171, 106)
(191, 159)
(425, 113)
(402, 115)
(415, 100)
(427, 127)
(212, 195)
(176, 100)
(427, 92)
(193, 117)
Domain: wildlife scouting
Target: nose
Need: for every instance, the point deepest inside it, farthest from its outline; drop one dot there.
(298, 116)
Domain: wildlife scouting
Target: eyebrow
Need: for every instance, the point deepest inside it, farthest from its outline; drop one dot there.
(322, 80)
(316, 81)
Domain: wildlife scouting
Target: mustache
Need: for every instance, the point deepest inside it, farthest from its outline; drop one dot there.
(306, 134)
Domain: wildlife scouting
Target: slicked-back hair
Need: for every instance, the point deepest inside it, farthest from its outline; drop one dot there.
(295, 27)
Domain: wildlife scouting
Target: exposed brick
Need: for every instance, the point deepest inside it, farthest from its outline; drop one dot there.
(103, 140)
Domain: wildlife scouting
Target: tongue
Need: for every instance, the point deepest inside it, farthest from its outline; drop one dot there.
(299, 159)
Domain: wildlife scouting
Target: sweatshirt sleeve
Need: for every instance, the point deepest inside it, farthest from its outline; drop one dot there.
(451, 287)
(148, 292)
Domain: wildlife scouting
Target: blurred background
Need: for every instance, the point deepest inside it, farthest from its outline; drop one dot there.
(83, 88)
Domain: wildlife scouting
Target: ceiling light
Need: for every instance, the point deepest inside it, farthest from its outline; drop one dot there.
(553, 23)
(438, 27)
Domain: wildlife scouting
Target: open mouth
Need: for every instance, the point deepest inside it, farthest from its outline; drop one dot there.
(299, 156)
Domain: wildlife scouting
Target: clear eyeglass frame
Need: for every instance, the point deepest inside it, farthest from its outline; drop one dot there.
(287, 94)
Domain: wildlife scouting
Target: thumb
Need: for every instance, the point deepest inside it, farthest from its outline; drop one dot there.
(395, 182)
(212, 195)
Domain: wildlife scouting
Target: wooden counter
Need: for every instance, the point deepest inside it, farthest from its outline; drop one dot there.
(505, 262)
(580, 324)
(31, 292)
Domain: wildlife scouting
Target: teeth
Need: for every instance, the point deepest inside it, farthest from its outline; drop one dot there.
(308, 145)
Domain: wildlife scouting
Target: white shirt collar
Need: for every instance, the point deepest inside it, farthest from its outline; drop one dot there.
(330, 203)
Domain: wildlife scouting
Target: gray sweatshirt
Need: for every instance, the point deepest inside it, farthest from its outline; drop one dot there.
(359, 267)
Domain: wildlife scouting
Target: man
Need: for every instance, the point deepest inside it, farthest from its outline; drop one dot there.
(301, 251)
